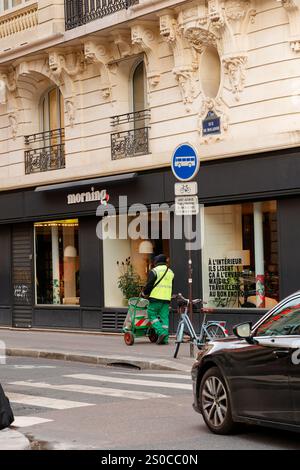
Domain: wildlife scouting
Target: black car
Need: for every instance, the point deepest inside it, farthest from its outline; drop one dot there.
(255, 376)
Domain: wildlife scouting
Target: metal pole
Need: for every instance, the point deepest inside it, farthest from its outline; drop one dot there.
(190, 280)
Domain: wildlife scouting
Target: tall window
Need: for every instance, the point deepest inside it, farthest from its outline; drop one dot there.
(52, 110)
(57, 262)
(139, 93)
(240, 255)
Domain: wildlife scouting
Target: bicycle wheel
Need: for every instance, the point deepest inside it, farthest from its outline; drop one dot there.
(213, 331)
(179, 338)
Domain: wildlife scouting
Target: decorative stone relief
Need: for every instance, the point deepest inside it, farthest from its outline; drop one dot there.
(13, 123)
(235, 68)
(292, 8)
(100, 54)
(8, 80)
(223, 25)
(147, 39)
(65, 66)
(70, 110)
(185, 62)
(218, 107)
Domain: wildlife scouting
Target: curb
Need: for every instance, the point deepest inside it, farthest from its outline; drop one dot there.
(145, 363)
(13, 440)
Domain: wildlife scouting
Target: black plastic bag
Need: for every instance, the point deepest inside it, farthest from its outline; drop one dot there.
(6, 414)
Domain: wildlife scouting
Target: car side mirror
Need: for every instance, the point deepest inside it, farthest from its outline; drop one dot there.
(243, 330)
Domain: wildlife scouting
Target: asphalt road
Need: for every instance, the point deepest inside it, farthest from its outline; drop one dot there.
(63, 405)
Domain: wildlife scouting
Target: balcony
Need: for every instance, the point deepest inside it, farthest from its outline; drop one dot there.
(132, 142)
(45, 151)
(80, 12)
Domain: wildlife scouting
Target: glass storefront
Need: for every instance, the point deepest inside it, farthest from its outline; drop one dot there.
(240, 256)
(57, 262)
(130, 256)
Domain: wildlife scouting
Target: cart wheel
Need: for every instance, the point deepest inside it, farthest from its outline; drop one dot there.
(129, 338)
(152, 336)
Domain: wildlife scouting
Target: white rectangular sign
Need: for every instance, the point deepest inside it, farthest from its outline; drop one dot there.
(186, 205)
(186, 189)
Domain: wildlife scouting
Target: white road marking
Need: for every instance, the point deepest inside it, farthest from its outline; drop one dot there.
(163, 376)
(25, 366)
(148, 383)
(45, 402)
(25, 421)
(111, 392)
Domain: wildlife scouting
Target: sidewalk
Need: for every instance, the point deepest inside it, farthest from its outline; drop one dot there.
(95, 348)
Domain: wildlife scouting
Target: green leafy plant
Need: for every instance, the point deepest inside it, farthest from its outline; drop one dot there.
(129, 282)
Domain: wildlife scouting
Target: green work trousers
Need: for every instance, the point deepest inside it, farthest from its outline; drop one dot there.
(158, 314)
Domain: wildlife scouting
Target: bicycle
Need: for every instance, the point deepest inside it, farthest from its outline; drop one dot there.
(209, 330)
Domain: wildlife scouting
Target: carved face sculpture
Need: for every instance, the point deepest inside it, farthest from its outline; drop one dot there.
(54, 62)
(89, 52)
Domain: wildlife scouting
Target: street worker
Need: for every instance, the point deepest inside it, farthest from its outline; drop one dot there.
(159, 292)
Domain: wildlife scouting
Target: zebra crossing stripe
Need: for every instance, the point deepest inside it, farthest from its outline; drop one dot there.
(111, 392)
(26, 421)
(118, 380)
(163, 376)
(45, 402)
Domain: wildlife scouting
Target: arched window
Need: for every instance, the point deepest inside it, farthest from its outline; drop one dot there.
(139, 88)
(52, 110)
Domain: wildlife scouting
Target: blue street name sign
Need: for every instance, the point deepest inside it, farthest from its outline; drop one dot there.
(211, 124)
(185, 162)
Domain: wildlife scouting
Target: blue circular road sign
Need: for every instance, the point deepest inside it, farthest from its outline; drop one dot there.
(185, 162)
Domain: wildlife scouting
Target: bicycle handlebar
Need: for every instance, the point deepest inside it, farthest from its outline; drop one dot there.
(179, 297)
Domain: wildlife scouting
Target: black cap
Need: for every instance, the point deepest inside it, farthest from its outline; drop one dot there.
(160, 259)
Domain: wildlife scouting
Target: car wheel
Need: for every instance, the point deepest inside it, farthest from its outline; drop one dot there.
(214, 400)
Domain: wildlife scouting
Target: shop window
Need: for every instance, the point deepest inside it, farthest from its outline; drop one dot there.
(139, 252)
(240, 256)
(57, 262)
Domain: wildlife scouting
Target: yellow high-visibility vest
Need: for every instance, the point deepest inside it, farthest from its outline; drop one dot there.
(163, 291)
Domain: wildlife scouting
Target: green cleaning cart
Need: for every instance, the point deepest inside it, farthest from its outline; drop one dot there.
(136, 322)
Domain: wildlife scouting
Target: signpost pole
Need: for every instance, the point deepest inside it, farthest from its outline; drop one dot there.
(185, 166)
(190, 279)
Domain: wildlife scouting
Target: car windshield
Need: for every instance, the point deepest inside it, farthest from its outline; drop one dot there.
(285, 321)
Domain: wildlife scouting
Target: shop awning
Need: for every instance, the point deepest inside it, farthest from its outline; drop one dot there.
(90, 182)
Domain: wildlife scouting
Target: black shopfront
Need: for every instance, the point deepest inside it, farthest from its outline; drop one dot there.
(36, 226)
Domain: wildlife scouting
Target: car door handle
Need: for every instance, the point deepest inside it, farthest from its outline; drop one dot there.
(281, 353)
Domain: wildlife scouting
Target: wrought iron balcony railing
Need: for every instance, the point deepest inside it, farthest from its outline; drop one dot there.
(79, 12)
(45, 151)
(130, 142)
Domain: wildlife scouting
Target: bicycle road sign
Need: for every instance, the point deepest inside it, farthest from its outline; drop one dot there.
(186, 189)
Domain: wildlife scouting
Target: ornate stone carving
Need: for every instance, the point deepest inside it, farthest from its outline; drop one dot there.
(13, 123)
(122, 40)
(235, 68)
(147, 40)
(185, 63)
(223, 25)
(100, 54)
(292, 8)
(216, 106)
(70, 110)
(61, 65)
